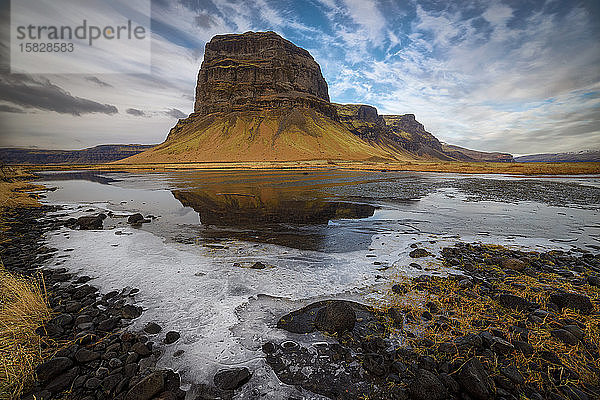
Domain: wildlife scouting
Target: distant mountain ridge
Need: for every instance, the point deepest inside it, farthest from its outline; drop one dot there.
(93, 155)
(462, 154)
(579, 156)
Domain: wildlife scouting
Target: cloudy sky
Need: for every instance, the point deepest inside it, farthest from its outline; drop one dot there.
(520, 76)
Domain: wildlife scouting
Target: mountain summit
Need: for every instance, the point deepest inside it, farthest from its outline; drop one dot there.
(258, 71)
(259, 97)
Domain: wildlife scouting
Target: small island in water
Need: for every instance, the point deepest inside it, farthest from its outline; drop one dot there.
(277, 245)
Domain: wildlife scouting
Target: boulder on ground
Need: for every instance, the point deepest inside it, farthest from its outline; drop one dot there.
(231, 379)
(336, 317)
(148, 387)
(574, 301)
(91, 222)
(513, 263)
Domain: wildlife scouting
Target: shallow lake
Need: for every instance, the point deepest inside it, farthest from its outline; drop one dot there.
(318, 234)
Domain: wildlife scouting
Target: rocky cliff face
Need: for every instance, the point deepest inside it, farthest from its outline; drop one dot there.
(362, 120)
(257, 71)
(261, 98)
(416, 131)
(402, 131)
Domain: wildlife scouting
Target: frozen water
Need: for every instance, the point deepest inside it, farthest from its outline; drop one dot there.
(195, 277)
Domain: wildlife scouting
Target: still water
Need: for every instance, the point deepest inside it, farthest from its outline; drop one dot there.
(319, 234)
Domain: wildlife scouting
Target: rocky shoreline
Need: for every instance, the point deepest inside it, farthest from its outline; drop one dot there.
(94, 355)
(484, 334)
(533, 331)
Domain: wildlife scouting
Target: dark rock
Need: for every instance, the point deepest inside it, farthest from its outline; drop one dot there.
(53, 367)
(92, 383)
(574, 301)
(111, 382)
(82, 291)
(513, 263)
(375, 364)
(432, 307)
(130, 369)
(418, 253)
(115, 363)
(85, 356)
(593, 280)
(63, 381)
(102, 372)
(268, 348)
(40, 395)
(336, 317)
(231, 379)
(141, 349)
(396, 315)
(50, 329)
(91, 222)
(152, 328)
(514, 302)
(172, 337)
(427, 386)
(474, 380)
(108, 324)
(574, 393)
(449, 382)
(512, 373)
(523, 347)
(575, 331)
(258, 265)
(461, 345)
(550, 356)
(501, 346)
(63, 319)
(131, 312)
(166, 396)
(82, 279)
(564, 336)
(148, 387)
(398, 289)
(135, 219)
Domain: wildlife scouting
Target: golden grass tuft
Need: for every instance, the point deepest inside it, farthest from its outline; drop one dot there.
(466, 310)
(23, 300)
(14, 190)
(23, 308)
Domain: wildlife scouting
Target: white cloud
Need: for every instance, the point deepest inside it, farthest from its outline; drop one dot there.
(489, 78)
(498, 14)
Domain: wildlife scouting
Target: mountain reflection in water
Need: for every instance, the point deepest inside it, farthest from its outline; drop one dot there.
(282, 217)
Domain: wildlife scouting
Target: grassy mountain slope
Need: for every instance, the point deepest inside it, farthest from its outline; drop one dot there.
(272, 135)
(462, 154)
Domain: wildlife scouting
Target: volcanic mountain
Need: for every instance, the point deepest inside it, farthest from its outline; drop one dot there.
(261, 98)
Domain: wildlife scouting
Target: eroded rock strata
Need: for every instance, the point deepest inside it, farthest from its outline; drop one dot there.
(259, 97)
(257, 71)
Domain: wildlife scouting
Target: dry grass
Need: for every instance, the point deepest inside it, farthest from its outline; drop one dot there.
(465, 311)
(589, 168)
(15, 191)
(23, 300)
(23, 308)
